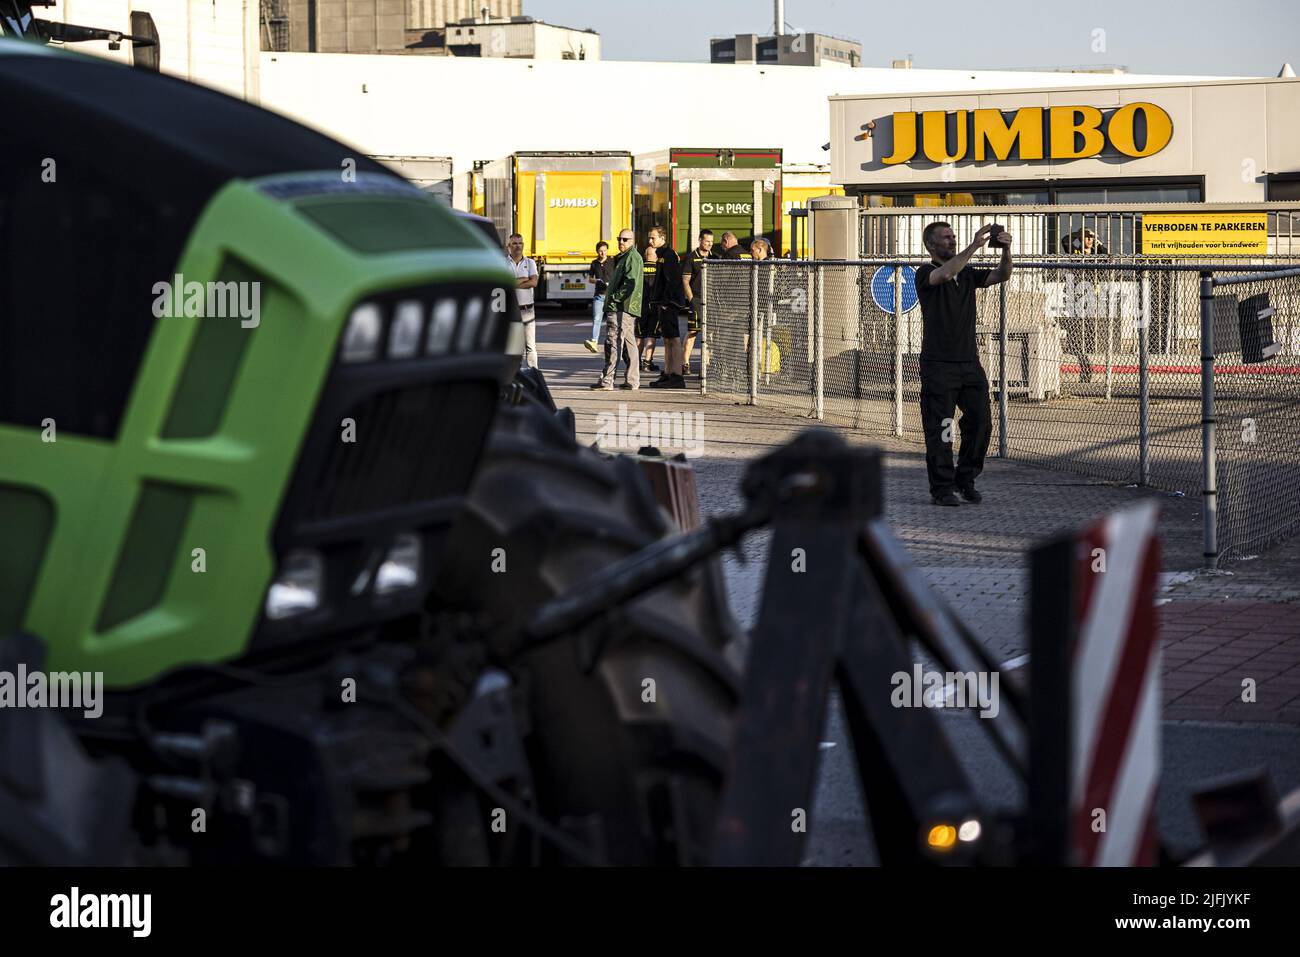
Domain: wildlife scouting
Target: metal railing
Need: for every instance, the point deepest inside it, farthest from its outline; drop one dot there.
(1097, 367)
(1050, 231)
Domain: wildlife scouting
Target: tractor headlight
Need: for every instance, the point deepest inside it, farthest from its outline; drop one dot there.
(942, 837)
(298, 587)
(361, 337)
(408, 324)
(469, 322)
(401, 566)
(442, 327)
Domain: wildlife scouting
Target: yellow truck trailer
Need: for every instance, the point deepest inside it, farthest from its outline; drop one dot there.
(562, 203)
(802, 182)
(474, 191)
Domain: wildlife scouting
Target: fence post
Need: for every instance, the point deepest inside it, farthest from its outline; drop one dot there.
(1002, 370)
(704, 330)
(753, 336)
(1110, 347)
(1144, 382)
(819, 358)
(769, 320)
(898, 350)
(810, 276)
(1209, 502)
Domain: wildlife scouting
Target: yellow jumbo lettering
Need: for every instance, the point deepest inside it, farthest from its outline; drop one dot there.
(934, 137)
(1160, 129)
(991, 130)
(904, 139)
(1066, 121)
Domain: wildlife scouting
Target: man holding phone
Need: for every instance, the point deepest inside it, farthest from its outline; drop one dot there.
(951, 375)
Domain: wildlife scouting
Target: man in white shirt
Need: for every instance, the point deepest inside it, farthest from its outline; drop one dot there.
(525, 283)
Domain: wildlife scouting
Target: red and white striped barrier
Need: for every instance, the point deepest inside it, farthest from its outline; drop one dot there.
(1095, 698)
(1115, 700)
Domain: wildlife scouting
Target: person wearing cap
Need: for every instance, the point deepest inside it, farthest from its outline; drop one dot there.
(1081, 242)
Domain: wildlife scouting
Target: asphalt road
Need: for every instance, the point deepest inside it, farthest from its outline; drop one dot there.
(980, 567)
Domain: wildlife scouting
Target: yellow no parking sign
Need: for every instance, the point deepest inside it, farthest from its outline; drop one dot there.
(1205, 234)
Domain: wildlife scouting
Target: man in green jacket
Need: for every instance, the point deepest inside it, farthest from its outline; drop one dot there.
(622, 308)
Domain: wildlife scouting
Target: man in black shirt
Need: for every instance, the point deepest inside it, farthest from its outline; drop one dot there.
(951, 374)
(693, 287)
(669, 302)
(731, 248)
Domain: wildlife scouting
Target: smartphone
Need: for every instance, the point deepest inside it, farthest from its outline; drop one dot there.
(993, 236)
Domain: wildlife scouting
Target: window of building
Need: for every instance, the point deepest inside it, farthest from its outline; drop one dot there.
(1030, 198)
(1128, 194)
(1283, 187)
(936, 199)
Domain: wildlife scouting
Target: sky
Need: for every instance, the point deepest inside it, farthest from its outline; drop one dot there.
(1202, 37)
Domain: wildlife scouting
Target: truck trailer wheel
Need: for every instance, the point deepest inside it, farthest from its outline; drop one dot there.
(629, 720)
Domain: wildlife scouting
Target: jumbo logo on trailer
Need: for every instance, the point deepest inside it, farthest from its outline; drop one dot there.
(1031, 133)
(571, 202)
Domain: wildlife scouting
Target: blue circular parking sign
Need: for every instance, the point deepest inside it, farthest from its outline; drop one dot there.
(882, 289)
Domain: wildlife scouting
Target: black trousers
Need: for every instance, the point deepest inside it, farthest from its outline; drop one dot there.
(946, 387)
(1074, 346)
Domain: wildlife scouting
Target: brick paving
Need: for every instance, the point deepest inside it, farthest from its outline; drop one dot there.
(1218, 628)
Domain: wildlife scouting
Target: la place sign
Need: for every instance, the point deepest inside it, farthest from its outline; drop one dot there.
(1032, 133)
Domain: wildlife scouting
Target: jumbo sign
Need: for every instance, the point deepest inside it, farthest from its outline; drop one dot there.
(1033, 133)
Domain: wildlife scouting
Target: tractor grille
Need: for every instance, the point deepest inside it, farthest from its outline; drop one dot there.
(412, 443)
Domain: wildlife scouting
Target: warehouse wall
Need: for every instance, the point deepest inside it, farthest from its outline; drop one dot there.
(552, 43)
(426, 14)
(346, 26)
(469, 108)
(211, 43)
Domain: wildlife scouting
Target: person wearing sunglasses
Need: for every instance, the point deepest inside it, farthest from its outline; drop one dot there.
(622, 310)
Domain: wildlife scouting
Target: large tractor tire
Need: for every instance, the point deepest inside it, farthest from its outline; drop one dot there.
(630, 720)
(59, 807)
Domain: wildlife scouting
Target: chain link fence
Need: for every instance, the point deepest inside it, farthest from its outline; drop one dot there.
(1094, 367)
(1113, 230)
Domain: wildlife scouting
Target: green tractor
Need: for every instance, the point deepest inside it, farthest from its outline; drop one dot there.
(270, 474)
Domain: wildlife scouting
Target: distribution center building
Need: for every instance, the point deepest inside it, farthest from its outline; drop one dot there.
(1223, 141)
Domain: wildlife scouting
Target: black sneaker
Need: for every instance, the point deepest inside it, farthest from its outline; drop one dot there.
(600, 387)
(628, 387)
(668, 382)
(971, 495)
(946, 498)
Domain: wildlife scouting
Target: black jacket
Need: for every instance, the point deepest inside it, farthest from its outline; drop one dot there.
(668, 279)
(602, 272)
